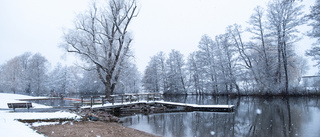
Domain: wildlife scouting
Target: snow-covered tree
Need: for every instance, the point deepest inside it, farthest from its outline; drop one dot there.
(25, 60)
(151, 76)
(73, 77)
(25, 73)
(314, 16)
(37, 71)
(207, 59)
(227, 61)
(12, 74)
(90, 83)
(129, 80)
(176, 73)
(155, 75)
(65, 79)
(100, 37)
(57, 80)
(195, 73)
(262, 51)
(283, 18)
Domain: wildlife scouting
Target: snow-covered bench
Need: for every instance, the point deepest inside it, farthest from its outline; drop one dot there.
(20, 105)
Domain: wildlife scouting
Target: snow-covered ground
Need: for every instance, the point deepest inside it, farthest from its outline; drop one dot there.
(10, 127)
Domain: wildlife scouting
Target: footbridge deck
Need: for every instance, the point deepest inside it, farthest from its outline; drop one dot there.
(153, 104)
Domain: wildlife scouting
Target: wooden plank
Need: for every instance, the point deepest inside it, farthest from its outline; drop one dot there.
(39, 98)
(195, 107)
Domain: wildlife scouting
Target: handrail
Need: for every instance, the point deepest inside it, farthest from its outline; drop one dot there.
(123, 98)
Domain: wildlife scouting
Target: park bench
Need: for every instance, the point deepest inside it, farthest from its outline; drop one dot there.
(19, 105)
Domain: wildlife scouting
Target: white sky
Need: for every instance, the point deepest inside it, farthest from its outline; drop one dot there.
(162, 25)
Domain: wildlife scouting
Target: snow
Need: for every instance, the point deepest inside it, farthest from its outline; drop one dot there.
(258, 111)
(196, 105)
(162, 102)
(10, 127)
(14, 98)
(37, 124)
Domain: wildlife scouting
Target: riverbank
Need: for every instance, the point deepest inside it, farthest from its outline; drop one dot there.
(90, 129)
(10, 126)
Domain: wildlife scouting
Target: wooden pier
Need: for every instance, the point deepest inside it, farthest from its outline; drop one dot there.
(145, 101)
(39, 98)
(162, 106)
(195, 107)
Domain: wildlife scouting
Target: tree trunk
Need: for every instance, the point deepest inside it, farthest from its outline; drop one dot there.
(107, 91)
(107, 84)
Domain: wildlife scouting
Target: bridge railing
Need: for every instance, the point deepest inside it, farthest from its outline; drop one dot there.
(120, 98)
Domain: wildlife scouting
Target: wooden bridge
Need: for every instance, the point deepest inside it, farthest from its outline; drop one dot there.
(133, 103)
(149, 102)
(168, 105)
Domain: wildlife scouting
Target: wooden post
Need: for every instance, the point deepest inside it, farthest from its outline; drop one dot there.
(112, 98)
(130, 98)
(102, 99)
(91, 101)
(27, 106)
(14, 109)
(138, 97)
(81, 100)
(154, 99)
(147, 97)
(121, 99)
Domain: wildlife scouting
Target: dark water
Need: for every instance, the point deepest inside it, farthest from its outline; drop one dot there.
(261, 117)
(55, 102)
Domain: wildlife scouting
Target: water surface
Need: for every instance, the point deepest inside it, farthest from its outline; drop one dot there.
(263, 117)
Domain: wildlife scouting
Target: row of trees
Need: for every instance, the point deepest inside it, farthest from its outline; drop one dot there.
(24, 73)
(265, 64)
(100, 38)
(227, 63)
(31, 74)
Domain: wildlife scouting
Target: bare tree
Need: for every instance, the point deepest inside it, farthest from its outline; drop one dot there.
(227, 63)
(261, 49)
(207, 59)
(155, 75)
(314, 16)
(151, 78)
(129, 79)
(245, 55)
(12, 75)
(37, 70)
(15, 75)
(176, 73)
(101, 38)
(195, 73)
(284, 17)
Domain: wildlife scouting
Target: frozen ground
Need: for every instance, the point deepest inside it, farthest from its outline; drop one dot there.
(10, 127)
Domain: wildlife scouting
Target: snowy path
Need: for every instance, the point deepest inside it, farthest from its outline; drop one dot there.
(9, 127)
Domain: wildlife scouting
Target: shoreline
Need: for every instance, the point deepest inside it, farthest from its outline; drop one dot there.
(90, 129)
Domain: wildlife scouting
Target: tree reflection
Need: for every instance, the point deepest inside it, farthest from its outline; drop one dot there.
(263, 117)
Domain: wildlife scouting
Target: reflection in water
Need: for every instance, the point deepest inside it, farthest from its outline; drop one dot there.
(184, 124)
(263, 117)
(55, 102)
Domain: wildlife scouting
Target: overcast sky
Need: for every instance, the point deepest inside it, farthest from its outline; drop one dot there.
(162, 25)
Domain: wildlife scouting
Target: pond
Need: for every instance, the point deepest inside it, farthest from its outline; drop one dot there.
(254, 116)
